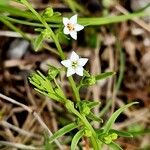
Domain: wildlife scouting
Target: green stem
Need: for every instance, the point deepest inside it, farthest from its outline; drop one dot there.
(27, 22)
(94, 139)
(72, 83)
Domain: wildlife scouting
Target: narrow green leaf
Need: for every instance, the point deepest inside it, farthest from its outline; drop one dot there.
(62, 131)
(115, 146)
(76, 139)
(114, 116)
(38, 42)
(104, 75)
(93, 117)
(50, 95)
(121, 133)
(92, 104)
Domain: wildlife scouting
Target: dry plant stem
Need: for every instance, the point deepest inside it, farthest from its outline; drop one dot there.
(20, 131)
(19, 146)
(138, 21)
(53, 116)
(28, 125)
(35, 115)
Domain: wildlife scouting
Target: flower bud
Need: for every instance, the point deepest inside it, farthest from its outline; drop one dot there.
(85, 109)
(48, 12)
(87, 133)
(113, 136)
(107, 139)
(52, 73)
(89, 80)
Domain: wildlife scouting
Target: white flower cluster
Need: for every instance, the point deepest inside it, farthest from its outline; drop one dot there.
(74, 64)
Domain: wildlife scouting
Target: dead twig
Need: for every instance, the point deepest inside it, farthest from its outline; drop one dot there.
(35, 115)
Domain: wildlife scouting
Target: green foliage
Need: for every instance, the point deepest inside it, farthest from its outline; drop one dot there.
(115, 146)
(114, 116)
(121, 133)
(47, 84)
(63, 131)
(52, 72)
(89, 80)
(45, 87)
(104, 75)
(48, 12)
(76, 139)
(37, 43)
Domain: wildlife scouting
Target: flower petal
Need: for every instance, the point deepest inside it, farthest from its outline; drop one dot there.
(67, 63)
(74, 57)
(78, 27)
(70, 71)
(73, 19)
(65, 21)
(66, 30)
(79, 70)
(82, 61)
(73, 34)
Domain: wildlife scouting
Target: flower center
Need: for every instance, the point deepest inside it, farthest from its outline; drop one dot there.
(70, 26)
(74, 64)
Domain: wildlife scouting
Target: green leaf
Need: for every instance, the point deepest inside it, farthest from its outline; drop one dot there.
(104, 75)
(76, 139)
(115, 146)
(50, 95)
(37, 44)
(121, 133)
(92, 104)
(62, 131)
(114, 116)
(93, 117)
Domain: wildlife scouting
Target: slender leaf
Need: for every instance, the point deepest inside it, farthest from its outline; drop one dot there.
(104, 75)
(92, 104)
(38, 42)
(76, 139)
(62, 131)
(115, 146)
(93, 117)
(114, 116)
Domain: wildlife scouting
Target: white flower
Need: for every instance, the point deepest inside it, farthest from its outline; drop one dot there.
(71, 26)
(74, 64)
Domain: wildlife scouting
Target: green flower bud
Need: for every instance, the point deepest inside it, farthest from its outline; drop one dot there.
(87, 133)
(48, 12)
(89, 80)
(85, 109)
(52, 73)
(107, 139)
(113, 136)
